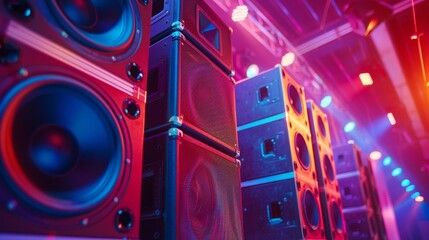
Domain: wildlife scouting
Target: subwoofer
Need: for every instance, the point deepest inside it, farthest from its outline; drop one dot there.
(72, 106)
(198, 23)
(326, 173)
(190, 190)
(188, 91)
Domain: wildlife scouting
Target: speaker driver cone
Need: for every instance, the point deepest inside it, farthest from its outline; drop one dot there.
(60, 145)
(108, 27)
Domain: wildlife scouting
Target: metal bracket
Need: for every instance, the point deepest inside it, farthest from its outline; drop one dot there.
(178, 26)
(175, 132)
(176, 121)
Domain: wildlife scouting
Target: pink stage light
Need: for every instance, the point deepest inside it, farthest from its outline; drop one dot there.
(239, 13)
(366, 79)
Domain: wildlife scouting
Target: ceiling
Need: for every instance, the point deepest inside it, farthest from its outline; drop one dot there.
(330, 40)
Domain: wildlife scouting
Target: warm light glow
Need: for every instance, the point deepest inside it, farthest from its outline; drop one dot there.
(387, 161)
(396, 171)
(349, 127)
(239, 13)
(366, 79)
(375, 155)
(410, 188)
(414, 195)
(326, 101)
(391, 118)
(405, 182)
(252, 70)
(288, 59)
(419, 199)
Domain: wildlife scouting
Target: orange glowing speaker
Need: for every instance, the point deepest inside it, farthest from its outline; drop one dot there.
(72, 106)
(326, 173)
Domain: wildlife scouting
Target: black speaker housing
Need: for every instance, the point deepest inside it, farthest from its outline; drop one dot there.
(282, 207)
(199, 24)
(190, 190)
(187, 90)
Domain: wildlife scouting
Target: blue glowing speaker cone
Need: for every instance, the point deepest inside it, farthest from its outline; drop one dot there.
(65, 154)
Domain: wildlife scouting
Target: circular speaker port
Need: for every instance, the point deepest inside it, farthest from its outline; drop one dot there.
(321, 125)
(301, 151)
(337, 216)
(124, 220)
(329, 169)
(60, 144)
(295, 99)
(131, 108)
(134, 72)
(311, 209)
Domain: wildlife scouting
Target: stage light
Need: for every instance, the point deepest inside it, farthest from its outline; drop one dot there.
(396, 171)
(375, 155)
(349, 127)
(387, 161)
(419, 199)
(326, 101)
(410, 188)
(252, 70)
(239, 13)
(366, 79)
(414, 195)
(288, 59)
(391, 118)
(405, 182)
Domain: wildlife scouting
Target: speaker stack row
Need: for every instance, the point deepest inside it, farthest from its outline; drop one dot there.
(72, 112)
(282, 197)
(361, 206)
(191, 177)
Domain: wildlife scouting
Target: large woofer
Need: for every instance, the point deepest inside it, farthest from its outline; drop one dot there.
(61, 147)
(311, 209)
(106, 26)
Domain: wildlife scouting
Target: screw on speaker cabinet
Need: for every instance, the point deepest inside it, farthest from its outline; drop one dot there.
(282, 207)
(199, 24)
(188, 91)
(68, 158)
(273, 131)
(190, 190)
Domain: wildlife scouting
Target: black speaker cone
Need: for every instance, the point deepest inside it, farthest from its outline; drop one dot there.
(295, 99)
(61, 147)
(106, 26)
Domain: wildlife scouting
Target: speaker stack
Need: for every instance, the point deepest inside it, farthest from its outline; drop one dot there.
(191, 179)
(361, 221)
(375, 201)
(279, 184)
(72, 110)
(330, 196)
